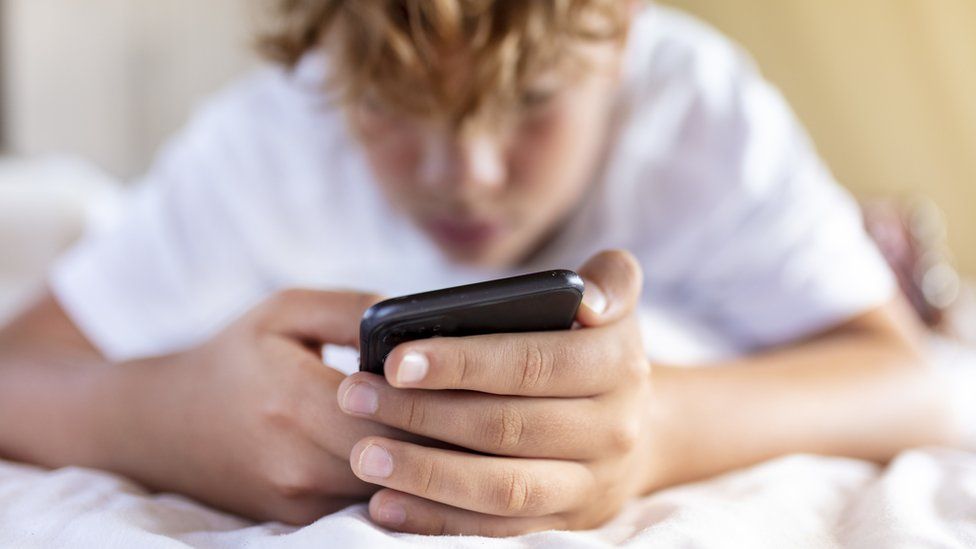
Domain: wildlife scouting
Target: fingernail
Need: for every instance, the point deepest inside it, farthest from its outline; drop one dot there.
(413, 367)
(391, 513)
(360, 398)
(375, 462)
(594, 298)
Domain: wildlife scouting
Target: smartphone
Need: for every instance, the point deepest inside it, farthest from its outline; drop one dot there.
(535, 302)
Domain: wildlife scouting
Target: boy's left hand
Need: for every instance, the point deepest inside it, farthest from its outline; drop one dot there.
(559, 421)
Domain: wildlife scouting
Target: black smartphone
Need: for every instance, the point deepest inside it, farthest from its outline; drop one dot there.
(529, 303)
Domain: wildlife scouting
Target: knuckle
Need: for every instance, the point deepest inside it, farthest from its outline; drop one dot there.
(537, 367)
(280, 413)
(635, 370)
(505, 428)
(426, 476)
(460, 369)
(416, 414)
(623, 436)
(514, 495)
(292, 481)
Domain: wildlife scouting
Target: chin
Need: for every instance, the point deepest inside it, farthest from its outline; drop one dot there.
(472, 258)
(493, 257)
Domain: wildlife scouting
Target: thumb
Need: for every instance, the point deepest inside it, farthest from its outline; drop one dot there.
(314, 316)
(612, 285)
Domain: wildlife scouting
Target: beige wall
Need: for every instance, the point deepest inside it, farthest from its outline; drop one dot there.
(110, 79)
(886, 87)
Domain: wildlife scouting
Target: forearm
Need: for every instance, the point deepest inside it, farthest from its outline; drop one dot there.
(51, 404)
(61, 409)
(853, 395)
(60, 400)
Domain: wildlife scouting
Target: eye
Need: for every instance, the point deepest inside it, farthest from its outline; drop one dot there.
(536, 99)
(373, 104)
(374, 112)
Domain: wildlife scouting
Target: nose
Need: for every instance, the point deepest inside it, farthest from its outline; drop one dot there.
(484, 162)
(474, 162)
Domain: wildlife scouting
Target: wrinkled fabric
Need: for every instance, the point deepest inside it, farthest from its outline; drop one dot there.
(924, 498)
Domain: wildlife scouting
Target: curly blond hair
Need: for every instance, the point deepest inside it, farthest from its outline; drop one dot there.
(407, 53)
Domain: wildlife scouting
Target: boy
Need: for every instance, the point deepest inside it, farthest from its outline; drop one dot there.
(413, 144)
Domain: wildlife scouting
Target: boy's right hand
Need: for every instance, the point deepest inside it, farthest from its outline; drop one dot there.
(248, 421)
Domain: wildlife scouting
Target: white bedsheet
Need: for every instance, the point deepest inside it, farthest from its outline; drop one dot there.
(924, 498)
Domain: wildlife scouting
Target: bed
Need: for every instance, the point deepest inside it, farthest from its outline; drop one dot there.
(926, 497)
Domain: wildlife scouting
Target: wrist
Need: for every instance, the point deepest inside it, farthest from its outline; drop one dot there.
(110, 418)
(667, 436)
(129, 415)
(59, 400)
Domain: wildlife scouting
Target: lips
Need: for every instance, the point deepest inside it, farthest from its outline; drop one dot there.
(463, 233)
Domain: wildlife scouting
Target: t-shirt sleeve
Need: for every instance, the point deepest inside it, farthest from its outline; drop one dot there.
(773, 248)
(171, 269)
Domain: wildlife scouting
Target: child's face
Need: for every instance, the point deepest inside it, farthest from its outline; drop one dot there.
(497, 188)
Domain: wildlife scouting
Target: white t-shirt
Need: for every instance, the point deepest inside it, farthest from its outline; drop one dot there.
(742, 232)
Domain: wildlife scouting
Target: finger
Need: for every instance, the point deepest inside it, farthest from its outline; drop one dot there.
(485, 484)
(336, 480)
(310, 405)
(612, 286)
(316, 316)
(563, 428)
(309, 472)
(407, 513)
(567, 363)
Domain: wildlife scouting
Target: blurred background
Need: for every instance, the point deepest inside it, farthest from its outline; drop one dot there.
(888, 90)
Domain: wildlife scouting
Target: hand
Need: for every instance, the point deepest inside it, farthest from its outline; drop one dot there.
(562, 416)
(248, 421)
